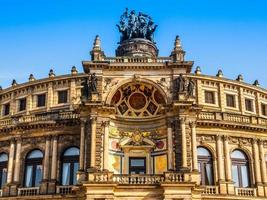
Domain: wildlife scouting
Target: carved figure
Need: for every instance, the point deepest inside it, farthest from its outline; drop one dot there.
(191, 88)
(85, 91)
(136, 26)
(180, 84)
(93, 83)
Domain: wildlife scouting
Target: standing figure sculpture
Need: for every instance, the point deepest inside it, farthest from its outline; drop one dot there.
(191, 88)
(93, 83)
(132, 23)
(85, 90)
(150, 30)
(180, 84)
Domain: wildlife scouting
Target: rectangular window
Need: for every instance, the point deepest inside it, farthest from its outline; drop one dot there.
(22, 104)
(41, 99)
(264, 109)
(209, 97)
(249, 105)
(6, 110)
(230, 100)
(62, 96)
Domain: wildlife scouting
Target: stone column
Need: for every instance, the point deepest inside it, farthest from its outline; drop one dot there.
(170, 146)
(263, 163)
(17, 162)
(93, 142)
(184, 148)
(220, 158)
(11, 161)
(228, 167)
(256, 161)
(52, 183)
(46, 158)
(54, 159)
(106, 145)
(194, 145)
(82, 145)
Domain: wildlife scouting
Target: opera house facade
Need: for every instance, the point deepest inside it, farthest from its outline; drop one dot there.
(134, 126)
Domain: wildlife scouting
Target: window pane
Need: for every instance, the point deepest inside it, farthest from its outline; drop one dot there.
(209, 97)
(230, 100)
(41, 100)
(28, 176)
(38, 175)
(73, 151)
(6, 109)
(62, 96)
(66, 174)
(203, 152)
(249, 104)
(75, 170)
(3, 157)
(245, 176)
(22, 104)
(209, 174)
(235, 175)
(35, 154)
(4, 177)
(264, 109)
(238, 154)
(137, 162)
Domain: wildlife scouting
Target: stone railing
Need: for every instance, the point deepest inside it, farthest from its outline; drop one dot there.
(31, 191)
(136, 179)
(210, 190)
(232, 118)
(38, 118)
(246, 192)
(64, 189)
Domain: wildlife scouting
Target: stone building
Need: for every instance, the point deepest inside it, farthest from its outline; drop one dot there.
(134, 126)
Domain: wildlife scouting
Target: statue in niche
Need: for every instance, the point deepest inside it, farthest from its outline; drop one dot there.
(89, 86)
(93, 83)
(185, 85)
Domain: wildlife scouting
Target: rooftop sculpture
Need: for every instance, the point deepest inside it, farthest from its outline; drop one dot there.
(136, 26)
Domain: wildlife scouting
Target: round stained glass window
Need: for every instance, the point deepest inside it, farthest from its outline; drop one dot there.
(137, 101)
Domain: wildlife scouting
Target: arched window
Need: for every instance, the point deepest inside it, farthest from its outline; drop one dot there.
(70, 166)
(33, 169)
(240, 169)
(205, 166)
(3, 169)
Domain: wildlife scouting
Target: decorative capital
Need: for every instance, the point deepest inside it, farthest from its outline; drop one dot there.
(193, 124)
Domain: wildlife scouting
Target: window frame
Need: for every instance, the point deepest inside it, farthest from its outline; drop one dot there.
(65, 97)
(202, 162)
(6, 111)
(38, 103)
(234, 100)
(239, 162)
(139, 168)
(20, 108)
(252, 104)
(265, 109)
(33, 162)
(69, 159)
(213, 102)
(3, 165)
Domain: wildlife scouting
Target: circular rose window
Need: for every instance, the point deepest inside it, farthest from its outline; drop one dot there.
(137, 101)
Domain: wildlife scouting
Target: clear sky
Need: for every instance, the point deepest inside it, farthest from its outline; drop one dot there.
(36, 35)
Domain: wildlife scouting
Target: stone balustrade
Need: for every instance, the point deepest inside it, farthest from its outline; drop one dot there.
(65, 189)
(247, 192)
(31, 191)
(38, 118)
(210, 190)
(232, 118)
(136, 179)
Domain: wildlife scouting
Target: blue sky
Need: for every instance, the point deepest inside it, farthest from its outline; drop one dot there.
(224, 34)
